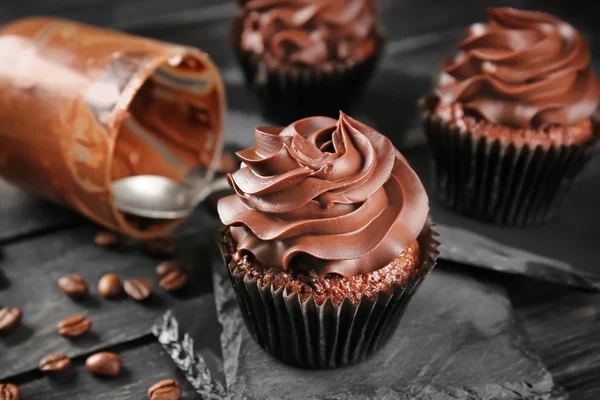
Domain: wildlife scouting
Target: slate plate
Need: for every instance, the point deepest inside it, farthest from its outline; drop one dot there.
(190, 333)
(457, 340)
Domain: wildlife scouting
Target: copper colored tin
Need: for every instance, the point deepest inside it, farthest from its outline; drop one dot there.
(82, 106)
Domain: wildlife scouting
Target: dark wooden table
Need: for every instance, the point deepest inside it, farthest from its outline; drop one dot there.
(40, 241)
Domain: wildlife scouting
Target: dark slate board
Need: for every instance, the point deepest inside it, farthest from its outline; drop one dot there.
(457, 340)
(154, 12)
(564, 326)
(144, 365)
(22, 215)
(190, 333)
(34, 266)
(107, 12)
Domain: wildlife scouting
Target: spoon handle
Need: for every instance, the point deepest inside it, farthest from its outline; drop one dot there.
(207, 188)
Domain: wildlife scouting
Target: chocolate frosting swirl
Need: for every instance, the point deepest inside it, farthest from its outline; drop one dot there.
(333, 195)
(310, 32)
(522, 69)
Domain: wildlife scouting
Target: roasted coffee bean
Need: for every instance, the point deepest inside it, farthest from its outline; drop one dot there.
(107, 239)
(110, 285)
(174, 280)
(8, 391)
(167, 389)
(73, 286)
(55, 363)
(137, 289)
(73, 326)
(168, 266)
(108, 364)
(161, 247)
(9, 318)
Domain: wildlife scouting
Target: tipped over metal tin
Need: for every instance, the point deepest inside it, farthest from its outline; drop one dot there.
(82, 106)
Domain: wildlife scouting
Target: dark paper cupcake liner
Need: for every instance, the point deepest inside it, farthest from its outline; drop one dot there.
(499, 182)
(289, 94)
(308, 335)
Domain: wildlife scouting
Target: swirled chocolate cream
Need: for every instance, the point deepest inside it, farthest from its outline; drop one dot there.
(325, 208)
(320, 34)
(523, 77)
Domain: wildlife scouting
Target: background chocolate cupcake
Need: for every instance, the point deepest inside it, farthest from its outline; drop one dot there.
(512, 122)
(307, 57)
(326, 239)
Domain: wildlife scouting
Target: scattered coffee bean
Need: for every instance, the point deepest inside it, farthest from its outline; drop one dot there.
(8, 391)
(107, 239)
(168, 266)
(161, 247)
(73, 326)
(55, 363)
(137, 289)
(174, 280)
(110, 285)
(9, 318)
(73, 286)
(108, 364)
(167, 389)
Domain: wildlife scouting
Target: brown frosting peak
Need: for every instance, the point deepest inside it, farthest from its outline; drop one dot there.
(522, 69)
(310, 32)
(325, 194)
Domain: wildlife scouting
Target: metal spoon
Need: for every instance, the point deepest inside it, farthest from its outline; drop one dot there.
(159, 197)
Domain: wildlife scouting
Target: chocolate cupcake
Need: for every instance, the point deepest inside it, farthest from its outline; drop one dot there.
(307, 57)
(514, 118)
(326, 240)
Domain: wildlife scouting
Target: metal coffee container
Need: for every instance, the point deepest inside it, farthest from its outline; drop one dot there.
(81, 107)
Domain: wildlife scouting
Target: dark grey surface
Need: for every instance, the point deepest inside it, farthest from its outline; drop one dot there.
(564, 325)
(22, 215)
(144, 363)
(457, 340)
(33, 268)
